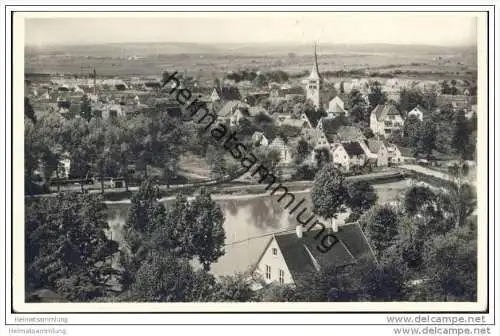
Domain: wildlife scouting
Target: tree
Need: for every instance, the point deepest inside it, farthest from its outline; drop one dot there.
(357, 106)
(312, 114)
(67, 249)
(409, 99)
(49, 142)
(362, 196)
(304, 172)
(86, 108)
(433, 208)
(269, 158)
(31, 155)
(302, 151)
(385, 281)
(145, 215)
(28, 110)
(451, 265)
(329, 193)
(461, 141)
(331, 284)
(192, 230)
(322, 156)
(381, 225)
(445, 88)
(427, 138)
(217, 161)
(411, 131)
(376, 95)
(163, 278)
(236, 288)
(206, 230)
(78, 145)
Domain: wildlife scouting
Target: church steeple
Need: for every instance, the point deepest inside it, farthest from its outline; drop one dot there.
(313, 87)
(315, 70)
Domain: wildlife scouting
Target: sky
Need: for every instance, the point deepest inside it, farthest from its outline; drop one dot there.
(335, 28)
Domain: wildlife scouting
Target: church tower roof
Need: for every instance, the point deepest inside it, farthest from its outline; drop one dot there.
(315, 71)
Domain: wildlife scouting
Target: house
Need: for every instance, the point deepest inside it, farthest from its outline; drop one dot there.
(298, 123)
(225, 93)
(356, 154)
(377, 148)
(230, 111)
(315, 137)
(289, 255)
(386, 120)
(259, 139)
(285, 152)
(393, 154)
(330, 126)
(418, 111)
(340, 157)
(349, 134)
(112, 110)
(470, 113)
(336, 107)
(253, 98)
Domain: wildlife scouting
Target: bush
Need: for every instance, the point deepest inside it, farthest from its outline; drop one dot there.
(304, 172)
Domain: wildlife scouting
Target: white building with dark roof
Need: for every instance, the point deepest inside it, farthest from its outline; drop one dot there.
(386, 120)
(289, 255)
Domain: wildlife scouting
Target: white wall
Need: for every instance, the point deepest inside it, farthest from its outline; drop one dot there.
(276, 262)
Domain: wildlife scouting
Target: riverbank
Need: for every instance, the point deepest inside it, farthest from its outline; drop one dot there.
(235, 189)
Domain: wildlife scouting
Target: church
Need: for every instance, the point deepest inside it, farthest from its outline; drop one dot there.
(314, 81)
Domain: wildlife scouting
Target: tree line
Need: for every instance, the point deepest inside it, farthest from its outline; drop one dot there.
(424, 246)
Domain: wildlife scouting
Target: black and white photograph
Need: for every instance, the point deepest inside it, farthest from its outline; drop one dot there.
(250, 161)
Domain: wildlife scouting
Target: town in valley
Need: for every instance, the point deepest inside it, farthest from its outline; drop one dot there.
(127, 201)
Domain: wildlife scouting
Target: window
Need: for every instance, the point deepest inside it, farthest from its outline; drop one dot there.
(282, 277)
(275, 251)
(268, 272)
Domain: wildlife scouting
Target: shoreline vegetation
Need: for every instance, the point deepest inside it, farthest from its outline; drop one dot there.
(239, 189)
(233, 188)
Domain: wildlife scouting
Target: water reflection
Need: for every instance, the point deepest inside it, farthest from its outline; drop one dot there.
(255, 218)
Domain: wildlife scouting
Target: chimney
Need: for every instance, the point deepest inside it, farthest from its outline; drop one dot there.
(298, 231)
(335, 226)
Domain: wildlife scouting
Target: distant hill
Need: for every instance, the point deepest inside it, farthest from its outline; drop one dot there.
(174, 48)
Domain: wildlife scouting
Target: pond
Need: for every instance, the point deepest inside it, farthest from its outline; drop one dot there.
(250, 221)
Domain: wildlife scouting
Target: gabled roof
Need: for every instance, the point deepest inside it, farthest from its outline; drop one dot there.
(336, 105)
(335, 108)
(229, 108)
(312, 135)
(331, 126)
(299, 123)
(353, 148)
(374, 145)
(349, 133)
(255, 110)
(302, 254)
(228, 93)
(278, 141)
(292, 91)
(381, 111)
(420, 108)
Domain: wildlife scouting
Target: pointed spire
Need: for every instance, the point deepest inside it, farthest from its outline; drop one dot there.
(315, 70)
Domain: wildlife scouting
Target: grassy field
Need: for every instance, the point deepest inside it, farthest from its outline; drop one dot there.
(209, 60)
